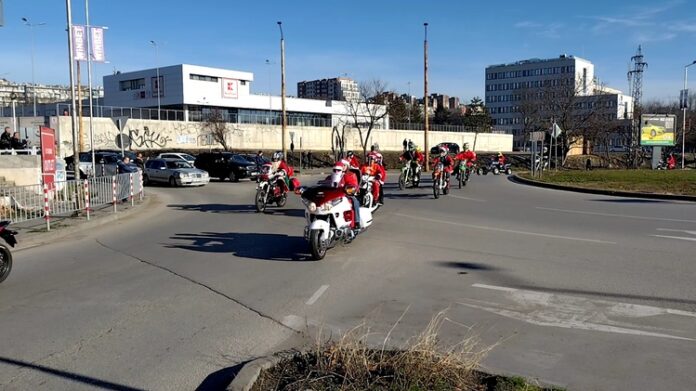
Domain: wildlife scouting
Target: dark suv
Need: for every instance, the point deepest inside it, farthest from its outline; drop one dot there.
(225, 165)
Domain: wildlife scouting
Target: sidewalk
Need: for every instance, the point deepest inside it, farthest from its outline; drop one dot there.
(33, 233)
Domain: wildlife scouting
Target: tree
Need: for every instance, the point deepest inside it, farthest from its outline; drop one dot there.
(398, 111)
(442, 116)
(367, 110)
(217, 126)
(415, 113)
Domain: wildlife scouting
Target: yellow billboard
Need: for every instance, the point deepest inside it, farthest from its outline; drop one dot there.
(657, 129)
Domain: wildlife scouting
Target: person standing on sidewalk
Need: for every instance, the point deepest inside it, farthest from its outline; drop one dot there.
(309, 159)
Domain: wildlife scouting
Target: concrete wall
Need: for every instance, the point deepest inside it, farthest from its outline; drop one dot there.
(159, 135)
(21, 169)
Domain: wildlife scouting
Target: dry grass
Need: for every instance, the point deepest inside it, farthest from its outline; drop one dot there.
(352, 363)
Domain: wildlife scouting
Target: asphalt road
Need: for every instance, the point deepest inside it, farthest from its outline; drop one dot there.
(583, 291)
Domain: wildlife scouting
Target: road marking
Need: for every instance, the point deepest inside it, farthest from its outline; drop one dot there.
(677, 230)
(572, 312)
(614, 215)
(317, 294)
(466, 198)
(674, 237)
(483, 227)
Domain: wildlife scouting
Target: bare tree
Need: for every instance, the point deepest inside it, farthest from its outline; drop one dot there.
(217, 126)
(368, 110)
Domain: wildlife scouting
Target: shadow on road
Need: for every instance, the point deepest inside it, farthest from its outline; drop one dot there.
(264, 246)
(396, 196)
(465, 265)
(220, 380)
(227, 208)
(93, 382)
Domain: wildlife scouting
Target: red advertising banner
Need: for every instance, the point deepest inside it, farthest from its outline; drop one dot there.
(48, 156)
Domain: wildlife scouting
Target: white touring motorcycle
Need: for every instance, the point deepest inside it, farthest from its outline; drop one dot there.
(330, 216)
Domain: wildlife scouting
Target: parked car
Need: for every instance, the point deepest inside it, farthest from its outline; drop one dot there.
(106, 162)
(453, 148)
(178, 155)
(226, 165)
(176, 172)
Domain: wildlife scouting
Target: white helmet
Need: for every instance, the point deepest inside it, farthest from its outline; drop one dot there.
(277, 156)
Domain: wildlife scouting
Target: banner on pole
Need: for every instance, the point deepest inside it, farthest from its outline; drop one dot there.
(79, 43)
(48, 156)
(684, 99)
(97, 40)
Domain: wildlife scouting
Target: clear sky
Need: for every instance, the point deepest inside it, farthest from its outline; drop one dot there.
(363, 39)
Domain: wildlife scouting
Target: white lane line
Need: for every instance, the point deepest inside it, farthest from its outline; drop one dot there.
(674, 237)
(483, 227)
(573, 312)
(317, 294)
(677, 230)
(614, 215)
(466, 198)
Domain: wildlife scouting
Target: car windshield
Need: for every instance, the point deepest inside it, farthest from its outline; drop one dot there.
(178, 164)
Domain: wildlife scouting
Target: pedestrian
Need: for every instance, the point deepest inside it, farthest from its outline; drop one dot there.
(17, 142)
(124, 166)
(303, 159)
(139, 161)
(6, 139)
(309, 159)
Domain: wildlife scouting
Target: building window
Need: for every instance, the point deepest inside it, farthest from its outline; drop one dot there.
(128, 85)
(203, 78)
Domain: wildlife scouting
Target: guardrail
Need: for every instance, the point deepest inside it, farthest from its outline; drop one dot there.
(28, 151)
(65, 198)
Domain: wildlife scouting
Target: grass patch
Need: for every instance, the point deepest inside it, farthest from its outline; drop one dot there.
(422, 364)
(645, 181)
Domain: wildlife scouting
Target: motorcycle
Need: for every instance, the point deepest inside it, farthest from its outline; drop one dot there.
(365, 194)
(410, 174)
(440, 181)
(330, 221)
(270, 189)
(496, 168)
(463, 173)
(5, 255)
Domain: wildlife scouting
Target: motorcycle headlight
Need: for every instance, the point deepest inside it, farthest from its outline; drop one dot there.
(312, 207)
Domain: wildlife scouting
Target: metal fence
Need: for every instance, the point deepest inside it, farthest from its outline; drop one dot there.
(444, 128)
(65, 198)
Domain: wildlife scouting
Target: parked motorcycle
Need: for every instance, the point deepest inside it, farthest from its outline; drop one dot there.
(270, 188)
(440, 181)
(5, 255)
(330, 220)
(410, 175)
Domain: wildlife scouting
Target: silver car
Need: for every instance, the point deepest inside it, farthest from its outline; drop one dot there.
(176, 172)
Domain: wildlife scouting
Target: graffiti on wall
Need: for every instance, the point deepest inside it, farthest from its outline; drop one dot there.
(147, 138)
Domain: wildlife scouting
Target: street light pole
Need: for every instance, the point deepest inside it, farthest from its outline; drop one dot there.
(159, 87)
(685, 105)
(425, 98)
(282, 86)
(89, 81)
(270, 98)
(73, 112)
(33, 80)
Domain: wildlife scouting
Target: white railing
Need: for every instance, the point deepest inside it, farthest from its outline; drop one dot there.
(28, 151)
(65, 198)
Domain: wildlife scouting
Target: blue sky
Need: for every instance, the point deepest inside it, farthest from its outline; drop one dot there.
(363, 39)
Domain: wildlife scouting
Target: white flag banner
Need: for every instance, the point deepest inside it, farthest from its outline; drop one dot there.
(79, 43)
(97, 35)
(556, 130)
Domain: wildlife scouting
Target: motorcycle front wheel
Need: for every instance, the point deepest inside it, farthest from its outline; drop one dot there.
(316, 245)
(402, 181)
(260, 201)
(282, 200)
(5, 262)
(436, 189)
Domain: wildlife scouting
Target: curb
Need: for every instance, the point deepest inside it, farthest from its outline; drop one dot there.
(42, 238)
(247, 376)
(615, 193)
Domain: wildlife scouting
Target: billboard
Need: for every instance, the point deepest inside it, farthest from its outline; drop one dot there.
(657, 129)
(230, 88)
(48, 156)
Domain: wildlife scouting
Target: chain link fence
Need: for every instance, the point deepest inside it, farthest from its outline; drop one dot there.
(65, 198)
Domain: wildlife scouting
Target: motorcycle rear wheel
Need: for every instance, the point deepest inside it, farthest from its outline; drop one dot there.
(316, 245)
(402, 181)
(282, 200)
(260, 201)
(5, 262)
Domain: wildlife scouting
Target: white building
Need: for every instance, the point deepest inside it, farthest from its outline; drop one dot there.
(193, 91)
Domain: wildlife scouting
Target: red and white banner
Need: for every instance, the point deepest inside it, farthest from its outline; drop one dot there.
(48, 156)
(230, 88)
(97, 41)
(79, 43)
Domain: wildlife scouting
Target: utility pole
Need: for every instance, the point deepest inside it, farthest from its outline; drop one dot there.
(76, 147)
(425, 95)
(685, 106)
(89, 81)
(282, 87)
(33, 79)
(635, 79)
(159, 87)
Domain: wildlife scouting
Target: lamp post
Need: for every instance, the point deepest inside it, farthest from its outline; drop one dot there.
(425, 97)
(73, 96)
(159, 87)
(33, 81)
(282, 86)
(685, 105)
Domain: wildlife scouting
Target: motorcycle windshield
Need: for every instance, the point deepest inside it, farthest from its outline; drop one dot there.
(322, 194)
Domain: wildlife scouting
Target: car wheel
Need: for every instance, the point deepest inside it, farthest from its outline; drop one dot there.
(172, 182)
(232, 177)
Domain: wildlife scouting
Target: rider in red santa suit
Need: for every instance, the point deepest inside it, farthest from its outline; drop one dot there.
(343, 177)
(447, 162)
(373, 169)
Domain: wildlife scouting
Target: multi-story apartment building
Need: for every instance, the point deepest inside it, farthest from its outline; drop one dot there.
(339, 88)
(24, 93)
(507, 85)
(454, 102)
